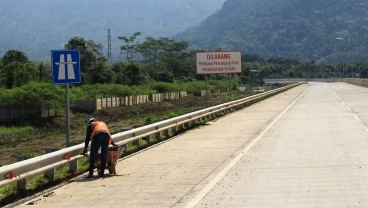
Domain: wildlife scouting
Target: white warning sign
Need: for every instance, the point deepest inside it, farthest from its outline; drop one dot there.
(223, 62)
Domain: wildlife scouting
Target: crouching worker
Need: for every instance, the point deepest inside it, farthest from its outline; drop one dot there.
(99, 135)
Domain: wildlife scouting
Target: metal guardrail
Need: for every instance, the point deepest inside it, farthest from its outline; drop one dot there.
(288, 80)
(41, 164)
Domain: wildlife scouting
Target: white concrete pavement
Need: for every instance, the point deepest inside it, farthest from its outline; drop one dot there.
(316, 155)
(307, 147)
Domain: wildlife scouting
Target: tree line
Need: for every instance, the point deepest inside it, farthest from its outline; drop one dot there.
(161, 60)
(276, 68)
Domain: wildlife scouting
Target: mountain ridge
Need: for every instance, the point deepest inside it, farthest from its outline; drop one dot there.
(38, 26)
(307, 30)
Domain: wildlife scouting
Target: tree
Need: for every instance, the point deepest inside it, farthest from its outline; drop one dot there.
(291, 74)
(166, 54)
(135, 73)
(163, 74)
(1, 64)
(90, 52)
(44, 73)
(17, 74)
(176, 57)
(118, 66)
(101, 73)
(252, 58)
(130, 46)
(12, 56)
(119, 69)
(149, 50)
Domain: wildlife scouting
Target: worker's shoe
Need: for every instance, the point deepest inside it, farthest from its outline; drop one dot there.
(101, 172)
(89, 176)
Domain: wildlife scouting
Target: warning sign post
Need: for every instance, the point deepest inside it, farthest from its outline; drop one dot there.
(221, 62)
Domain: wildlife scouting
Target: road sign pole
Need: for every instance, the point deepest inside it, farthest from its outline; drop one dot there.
(230, 86)
(205, 84)
(67, 116)
(66, 70)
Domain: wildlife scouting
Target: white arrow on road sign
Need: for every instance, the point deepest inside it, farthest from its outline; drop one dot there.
(69, 63)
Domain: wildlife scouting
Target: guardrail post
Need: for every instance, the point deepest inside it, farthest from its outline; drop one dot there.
(174, 129)
(50, 174)
(199, 120)
(22, 184)
(224, 112)
(147, 139)
(187, 125)
(73, 166)
(158, 135)
(210, 116)
(125, 147)
(192, 122)
(183, 126)
(137, 142)
(167, 133)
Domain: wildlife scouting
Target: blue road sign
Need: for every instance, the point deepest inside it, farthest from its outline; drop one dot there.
(65, 67)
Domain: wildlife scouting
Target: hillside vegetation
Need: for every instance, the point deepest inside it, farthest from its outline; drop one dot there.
(325, 30)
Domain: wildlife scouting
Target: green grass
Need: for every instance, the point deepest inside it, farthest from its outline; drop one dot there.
(172, 114)
(7, 191)
(15, 129)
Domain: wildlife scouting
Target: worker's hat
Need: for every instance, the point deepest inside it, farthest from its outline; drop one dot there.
(92, 120)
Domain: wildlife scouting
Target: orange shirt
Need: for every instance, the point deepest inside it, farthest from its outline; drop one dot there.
(98, 127)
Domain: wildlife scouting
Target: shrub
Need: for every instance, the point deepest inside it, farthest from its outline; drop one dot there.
(162, 87)
(34, 93)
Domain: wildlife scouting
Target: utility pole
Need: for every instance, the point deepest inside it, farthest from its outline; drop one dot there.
(109, 57)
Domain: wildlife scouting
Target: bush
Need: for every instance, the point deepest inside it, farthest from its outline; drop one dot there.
(149, 120)
(34, 93)
(108, 90)
(162, 87)
(193, 87)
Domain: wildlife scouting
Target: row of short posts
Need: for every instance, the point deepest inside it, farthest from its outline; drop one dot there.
(167, 133)
(50, 174)
(161, 135)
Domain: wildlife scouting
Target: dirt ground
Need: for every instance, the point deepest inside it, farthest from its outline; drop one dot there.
(50, 133)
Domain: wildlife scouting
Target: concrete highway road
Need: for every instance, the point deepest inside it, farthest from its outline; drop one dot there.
(307, 147)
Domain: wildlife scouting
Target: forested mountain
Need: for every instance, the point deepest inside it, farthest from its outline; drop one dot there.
(38, 26)
(325, 30)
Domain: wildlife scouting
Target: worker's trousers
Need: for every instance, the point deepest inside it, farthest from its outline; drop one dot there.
(99, 140)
